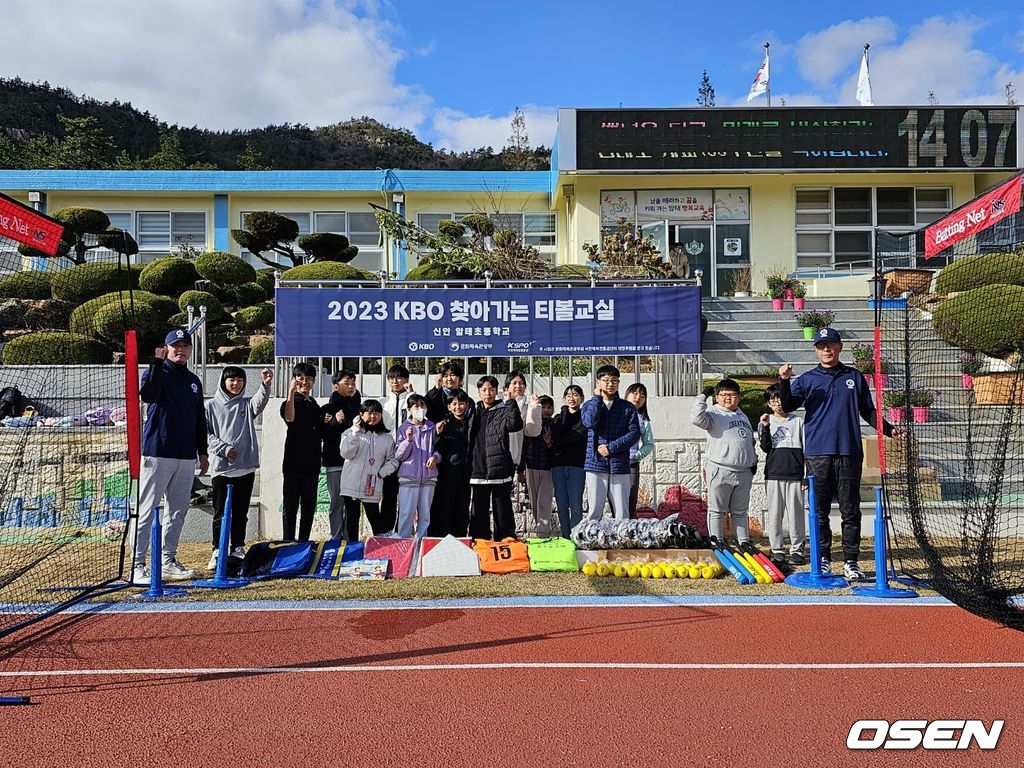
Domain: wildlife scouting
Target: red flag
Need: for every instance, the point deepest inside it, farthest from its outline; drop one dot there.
(29, 227)
(978, 215)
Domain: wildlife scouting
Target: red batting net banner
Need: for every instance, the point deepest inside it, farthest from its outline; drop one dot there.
(28, 227)
(978, 215)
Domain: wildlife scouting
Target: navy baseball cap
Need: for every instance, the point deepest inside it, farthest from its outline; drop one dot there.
(826, 334)
(178, 335)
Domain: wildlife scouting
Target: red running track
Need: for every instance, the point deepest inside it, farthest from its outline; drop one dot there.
(392, 687)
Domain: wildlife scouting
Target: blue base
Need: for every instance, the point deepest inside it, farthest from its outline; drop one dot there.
(889, 303)
(807, 580)
(216, 583)
(910, 581)
(14, 701)
(149, 594)
(881, 590)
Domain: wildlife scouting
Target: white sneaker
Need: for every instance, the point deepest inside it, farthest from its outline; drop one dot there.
(238, 552)
(139, 576)
(175, 571)
(212, 565)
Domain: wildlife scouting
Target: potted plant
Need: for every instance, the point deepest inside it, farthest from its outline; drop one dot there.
(741, 282)
(776, 295)
(864, 361)
(895, 402)
(788, 284)
(970, 364)
(920, 401)
(813, 320)
(799, 291)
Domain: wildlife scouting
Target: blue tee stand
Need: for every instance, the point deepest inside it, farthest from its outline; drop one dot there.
(881, 587)
(157, 590)
(814, 579)
(221, 579)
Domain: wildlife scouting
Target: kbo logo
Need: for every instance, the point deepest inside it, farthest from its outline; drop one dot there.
(911, 734)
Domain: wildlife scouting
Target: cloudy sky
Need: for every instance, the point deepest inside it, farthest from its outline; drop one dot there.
(453, 71)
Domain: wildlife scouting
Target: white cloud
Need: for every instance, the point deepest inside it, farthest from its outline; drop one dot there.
(458, 131)
(823, 56)
(225, 64)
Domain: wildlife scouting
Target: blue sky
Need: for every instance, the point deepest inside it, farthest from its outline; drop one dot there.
(453, 71)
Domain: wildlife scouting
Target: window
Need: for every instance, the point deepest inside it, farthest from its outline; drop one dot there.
(163, 231)
(539, 230)
(835, 227)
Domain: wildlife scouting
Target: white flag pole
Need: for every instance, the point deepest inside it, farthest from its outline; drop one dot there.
(767, 77)
(761, 80)
(864, 81)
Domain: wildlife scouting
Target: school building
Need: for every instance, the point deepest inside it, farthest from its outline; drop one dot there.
(733, 192)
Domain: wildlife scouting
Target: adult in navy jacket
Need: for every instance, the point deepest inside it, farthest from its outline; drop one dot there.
(835, 398)
(612, 429)
(173, 437)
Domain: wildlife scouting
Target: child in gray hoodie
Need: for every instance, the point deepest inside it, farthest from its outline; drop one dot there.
(731, 459)
(234, 451)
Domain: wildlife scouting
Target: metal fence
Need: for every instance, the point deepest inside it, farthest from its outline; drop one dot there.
(664, 375)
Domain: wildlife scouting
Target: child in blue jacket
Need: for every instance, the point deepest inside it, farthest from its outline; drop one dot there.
(612, 429)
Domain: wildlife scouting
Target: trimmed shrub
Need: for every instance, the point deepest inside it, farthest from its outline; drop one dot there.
(178, 320)
(169, 276)
(328, 246)
(214, 309)
(248, 294)
(262, 353)
(450, 229)
(573, 271)
(271, 227)
(256, 318)
(63, 249)
(989, 320)
(81, 317)
(323, 270)
(31, 284)
(81, 220)
(55, 348)
(265, 277)
(431, 271)
(118, 240)
(977, 271)
(150, 325)
(480, 224)
(83, 282)
(225, 268)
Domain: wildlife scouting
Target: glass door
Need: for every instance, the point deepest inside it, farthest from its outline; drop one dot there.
(691, 247)
(659, 231)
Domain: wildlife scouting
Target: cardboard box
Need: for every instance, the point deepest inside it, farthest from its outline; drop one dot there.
(896, 452)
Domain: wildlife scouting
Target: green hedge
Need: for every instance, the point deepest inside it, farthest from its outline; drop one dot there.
(31, 284)
(262, 353)
(82, 317)
(214, 309)
(150, 325)
(328, 246)
(83, 282)
(55, 348)
(977, 271)
(265, 277)
(178, 320)
(431, 271)
(244, 295)
(169, 276)
(255, 318)
(119, 241)
(81, 220)
(225, 268)
(324, 270)
(573, 271)
(989, 320)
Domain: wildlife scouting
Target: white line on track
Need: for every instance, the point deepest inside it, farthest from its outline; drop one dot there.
(151, 671)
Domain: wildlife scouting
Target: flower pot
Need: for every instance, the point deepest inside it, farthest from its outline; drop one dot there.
(999, 388)
(798, 302)
(967, 380)
(881, 379)
(897, 415)
(920, 413)
(809, 333)
(777, 304)
(788, 296)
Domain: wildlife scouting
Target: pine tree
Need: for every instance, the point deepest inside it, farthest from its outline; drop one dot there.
(518, 156)
(705, 92)
(932, 98)
(252, 159)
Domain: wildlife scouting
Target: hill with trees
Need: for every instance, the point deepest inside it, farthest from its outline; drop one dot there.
(43, 126)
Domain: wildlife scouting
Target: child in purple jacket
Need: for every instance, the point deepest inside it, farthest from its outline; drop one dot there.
(417, 470)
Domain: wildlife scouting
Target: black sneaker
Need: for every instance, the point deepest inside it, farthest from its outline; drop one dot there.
(826, 565)
(852, 571)
(797, 559)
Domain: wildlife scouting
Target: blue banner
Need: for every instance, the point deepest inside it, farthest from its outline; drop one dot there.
(487, 322)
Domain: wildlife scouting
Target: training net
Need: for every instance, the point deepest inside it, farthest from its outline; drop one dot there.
(952, 351)
(65, 480)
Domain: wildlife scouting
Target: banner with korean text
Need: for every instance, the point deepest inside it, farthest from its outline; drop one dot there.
(487, 322)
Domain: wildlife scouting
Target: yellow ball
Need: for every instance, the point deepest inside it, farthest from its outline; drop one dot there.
(645, 571)
(657, 572)
(707, 572)
(694, 571)
(603, 569)
(621, 570)
(634, 570)
(590, 569)
(670, 571)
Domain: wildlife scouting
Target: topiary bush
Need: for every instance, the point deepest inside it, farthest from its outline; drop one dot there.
(214, 309)
(55, 348)
(169, 276)
(81, 220)
(83, 282)
(255, 318)
(31, 284)
(433, 271)
(328, 246)
(323, 270)
(262, 353)
(150, 325)
(117, 240)
(244, 295)
(81, 318)
(178, 320)
(977, 271)
(573, 271)
(225, 268)
(989, 320)
(451, 229)
(265, 277)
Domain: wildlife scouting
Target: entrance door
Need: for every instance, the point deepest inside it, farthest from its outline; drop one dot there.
(659, 231)
(694, 244)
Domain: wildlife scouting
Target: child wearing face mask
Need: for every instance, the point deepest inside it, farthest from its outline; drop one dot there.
(417, 471)
(369, 454)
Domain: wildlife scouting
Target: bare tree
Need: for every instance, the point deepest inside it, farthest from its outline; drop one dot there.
(932, 99)
(1011, 94)
(705, 92)
(518, 156)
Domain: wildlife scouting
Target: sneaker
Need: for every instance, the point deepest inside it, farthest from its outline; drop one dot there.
(139, 576)
(826, 565)
(175, 571)
(238, 552)
(852, 571)
(797, 558)
(212, 565)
